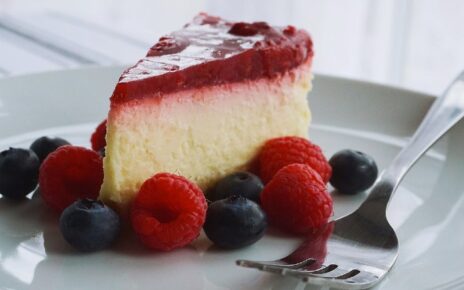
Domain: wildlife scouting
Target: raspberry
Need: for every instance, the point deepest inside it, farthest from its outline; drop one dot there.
(97, 139)
(168, 212)
(296, 199)
(68, 174)
(282, 151)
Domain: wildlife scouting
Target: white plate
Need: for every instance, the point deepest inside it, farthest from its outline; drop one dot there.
(427, 211)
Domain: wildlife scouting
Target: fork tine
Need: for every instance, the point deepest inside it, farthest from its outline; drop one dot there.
(278, 269)
(298, 270)
(353, 279)
(331, 274)
(361, 277)
(329, 271)
(274, 266)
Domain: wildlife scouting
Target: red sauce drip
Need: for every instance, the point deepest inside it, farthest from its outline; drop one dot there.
(211, 51)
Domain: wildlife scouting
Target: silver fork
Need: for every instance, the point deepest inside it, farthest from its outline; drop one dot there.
(358, 250)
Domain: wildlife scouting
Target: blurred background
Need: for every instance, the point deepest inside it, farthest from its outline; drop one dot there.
(416, 44)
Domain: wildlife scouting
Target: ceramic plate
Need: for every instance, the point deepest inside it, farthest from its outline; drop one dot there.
(427, 210)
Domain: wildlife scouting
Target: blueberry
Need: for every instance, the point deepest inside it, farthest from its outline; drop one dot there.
(19, 171)
(89, 225)
(45, 145)
(102, 152)
(240, 183)
(352, 171)
(234, 222)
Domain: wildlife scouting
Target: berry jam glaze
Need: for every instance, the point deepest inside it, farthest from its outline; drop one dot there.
(213, 51)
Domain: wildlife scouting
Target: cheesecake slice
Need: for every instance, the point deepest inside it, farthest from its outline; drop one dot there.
(203, 101)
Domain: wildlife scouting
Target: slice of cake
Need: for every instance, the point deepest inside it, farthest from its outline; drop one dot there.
(203, 101)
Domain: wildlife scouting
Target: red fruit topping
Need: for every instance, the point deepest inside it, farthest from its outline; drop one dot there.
(290, 30)
(243, 29)
(223, 53)
(168, 45)
(282, 151)
(296, 199)
(68, 174)
(168, 212)
(98, 140)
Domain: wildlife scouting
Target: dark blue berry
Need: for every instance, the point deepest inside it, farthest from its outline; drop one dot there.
(234, 222)
(89, 225)
(352, 171)
(102, 152)
(19, 171)
(45, 145)
(242, 183)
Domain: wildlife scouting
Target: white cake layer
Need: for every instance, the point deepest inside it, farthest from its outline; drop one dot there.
(202, 134)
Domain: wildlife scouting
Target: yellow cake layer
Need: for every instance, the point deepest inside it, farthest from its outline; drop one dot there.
(202, 134)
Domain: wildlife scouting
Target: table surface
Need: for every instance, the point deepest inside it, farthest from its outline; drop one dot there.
(413, 44)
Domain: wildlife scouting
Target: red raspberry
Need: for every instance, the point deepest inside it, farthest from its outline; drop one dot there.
(68, 174)
(168, 212)
(296, 199)
(97, 139)
(282, 151)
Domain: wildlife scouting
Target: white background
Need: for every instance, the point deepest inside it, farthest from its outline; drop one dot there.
(414, 44)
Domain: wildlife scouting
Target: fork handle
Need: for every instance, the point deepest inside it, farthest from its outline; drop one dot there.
(445, 112)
